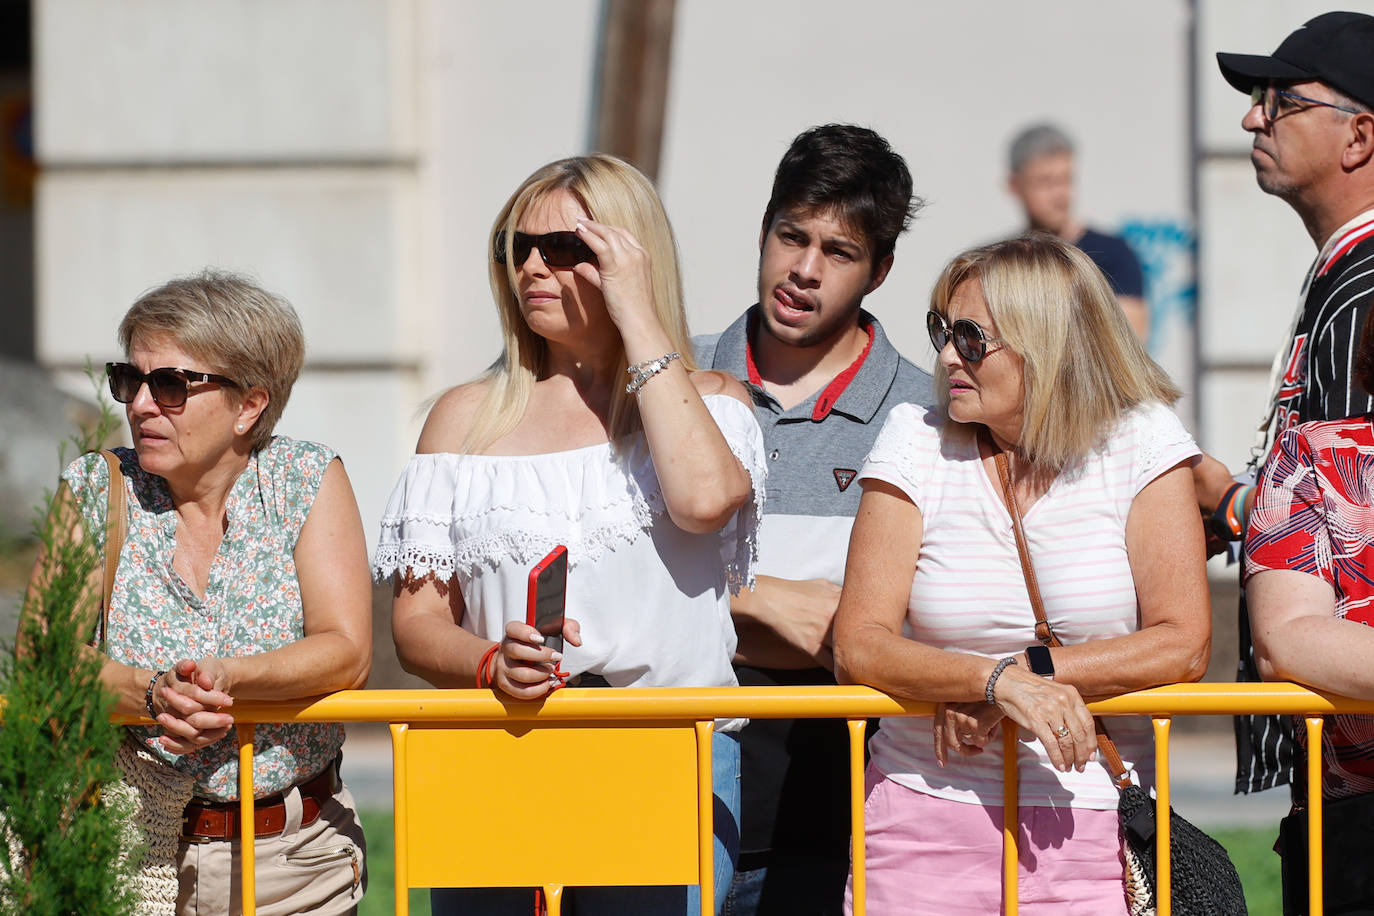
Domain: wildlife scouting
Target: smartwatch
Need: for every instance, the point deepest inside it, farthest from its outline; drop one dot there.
(1040, 660)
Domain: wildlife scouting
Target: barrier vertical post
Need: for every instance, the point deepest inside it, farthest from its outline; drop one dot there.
(706, 836)
(553, 899)
(1164, 886)
(857, 831)
(246, 821)
(399, 826)
(1315, 855)
(1011, 816)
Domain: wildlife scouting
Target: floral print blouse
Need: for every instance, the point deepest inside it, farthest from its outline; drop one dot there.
(251, 605)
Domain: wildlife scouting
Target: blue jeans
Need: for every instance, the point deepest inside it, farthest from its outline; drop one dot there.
(790, 885)
(641, 901)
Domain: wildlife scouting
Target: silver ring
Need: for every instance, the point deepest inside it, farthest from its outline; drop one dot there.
(1062, 732)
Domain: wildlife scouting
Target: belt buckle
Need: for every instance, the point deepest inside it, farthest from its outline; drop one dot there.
(190, 838)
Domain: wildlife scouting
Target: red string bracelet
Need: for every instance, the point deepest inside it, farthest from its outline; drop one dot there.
(482, 673)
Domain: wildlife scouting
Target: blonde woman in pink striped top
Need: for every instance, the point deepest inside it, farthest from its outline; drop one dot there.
(1035, 359)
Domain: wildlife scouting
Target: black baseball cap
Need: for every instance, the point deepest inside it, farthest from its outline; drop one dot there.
(1335, 48)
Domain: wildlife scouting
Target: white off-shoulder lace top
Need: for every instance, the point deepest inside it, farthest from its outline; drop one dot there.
(653, 600)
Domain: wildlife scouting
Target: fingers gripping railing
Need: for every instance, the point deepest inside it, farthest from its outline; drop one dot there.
(599, 715)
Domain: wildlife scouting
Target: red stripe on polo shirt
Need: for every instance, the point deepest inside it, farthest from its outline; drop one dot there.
(754, 378)
(1345, 243)
(839, 383)
(832, 392)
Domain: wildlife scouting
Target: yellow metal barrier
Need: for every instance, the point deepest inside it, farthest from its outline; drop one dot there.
(467, 724)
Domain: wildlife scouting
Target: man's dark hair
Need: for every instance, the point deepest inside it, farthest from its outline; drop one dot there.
(852, 172)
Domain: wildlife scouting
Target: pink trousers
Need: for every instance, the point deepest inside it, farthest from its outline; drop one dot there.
(933, 855)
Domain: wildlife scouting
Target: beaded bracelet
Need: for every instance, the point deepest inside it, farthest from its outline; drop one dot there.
(148, 695)
(992, 678)
(642, 372)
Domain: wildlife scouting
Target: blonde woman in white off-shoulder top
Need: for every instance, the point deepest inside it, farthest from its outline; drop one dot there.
(594, 431)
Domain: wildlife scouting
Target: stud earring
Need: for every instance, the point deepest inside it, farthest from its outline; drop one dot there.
(238, 428)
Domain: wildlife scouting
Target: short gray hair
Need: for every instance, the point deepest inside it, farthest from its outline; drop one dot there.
(240, 330)
(1036, 141)
(1347, 100)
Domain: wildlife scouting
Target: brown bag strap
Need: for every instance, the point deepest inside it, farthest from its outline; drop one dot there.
(116, 527)
(1043, 631)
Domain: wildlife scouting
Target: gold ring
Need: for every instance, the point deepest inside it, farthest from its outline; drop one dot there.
(1062, 732)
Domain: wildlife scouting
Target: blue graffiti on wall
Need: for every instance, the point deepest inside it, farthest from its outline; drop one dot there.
(1166, 249)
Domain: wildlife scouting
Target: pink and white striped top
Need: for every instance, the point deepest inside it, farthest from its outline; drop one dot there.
(969, 594)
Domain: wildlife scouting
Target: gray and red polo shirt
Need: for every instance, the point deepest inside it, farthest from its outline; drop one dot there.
(794, 773)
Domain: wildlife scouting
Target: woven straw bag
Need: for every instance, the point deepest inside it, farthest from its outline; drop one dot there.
(151, 795)
(1205, 882)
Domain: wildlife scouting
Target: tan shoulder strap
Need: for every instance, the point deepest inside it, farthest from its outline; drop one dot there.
(116, 527)
(1043, 631)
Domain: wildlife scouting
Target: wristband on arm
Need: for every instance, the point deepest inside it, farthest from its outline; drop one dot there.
(1228, 521)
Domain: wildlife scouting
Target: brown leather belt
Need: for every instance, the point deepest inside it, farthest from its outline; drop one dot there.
(205, 820)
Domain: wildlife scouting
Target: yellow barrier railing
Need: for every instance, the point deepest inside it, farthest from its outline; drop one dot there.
(609, 715)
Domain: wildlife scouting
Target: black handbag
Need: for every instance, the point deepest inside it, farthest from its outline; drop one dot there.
(1205, 882)
(1347, 837)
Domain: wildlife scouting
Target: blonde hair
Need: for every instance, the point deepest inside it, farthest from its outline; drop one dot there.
(1084, 367)
(612, 192)
(239, 329)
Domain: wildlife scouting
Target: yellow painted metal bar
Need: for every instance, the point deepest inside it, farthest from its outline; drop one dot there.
(1164, 886)
(400, 824)
(247, 835)
(858, 833)
(1315, 862)
(706, 836)
(662, 704)
(1011, 816)
(553, 899)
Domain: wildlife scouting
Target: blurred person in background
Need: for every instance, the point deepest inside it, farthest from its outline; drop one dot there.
(1311, 117)
(1041, 178)
(1037, 366)
(824, 377)
(243, 576)
(594, 431)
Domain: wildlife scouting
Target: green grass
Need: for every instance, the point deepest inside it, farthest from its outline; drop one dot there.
(1251, 850)
(381, 878)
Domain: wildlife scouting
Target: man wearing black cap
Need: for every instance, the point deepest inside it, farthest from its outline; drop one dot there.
(1312, 118)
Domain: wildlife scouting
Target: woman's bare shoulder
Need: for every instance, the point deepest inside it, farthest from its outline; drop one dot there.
(710, 381)
(451, 417)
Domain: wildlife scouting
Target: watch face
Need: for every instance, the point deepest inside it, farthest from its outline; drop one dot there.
(1040, 660)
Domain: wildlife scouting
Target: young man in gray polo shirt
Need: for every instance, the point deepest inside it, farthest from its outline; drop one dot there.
(824, 378)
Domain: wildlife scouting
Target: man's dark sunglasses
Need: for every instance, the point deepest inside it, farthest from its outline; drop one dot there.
(1267, 97)
(169, 387)
(970, 341)
(558, 249)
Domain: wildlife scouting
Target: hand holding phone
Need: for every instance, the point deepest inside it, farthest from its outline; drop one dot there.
(548, 598)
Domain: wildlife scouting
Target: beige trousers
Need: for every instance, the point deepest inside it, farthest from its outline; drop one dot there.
(319, 869)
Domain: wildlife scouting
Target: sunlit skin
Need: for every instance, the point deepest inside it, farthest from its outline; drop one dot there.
(195, 444)
(814, 272)
(992, 390)
(1293, 152)
(559, 304)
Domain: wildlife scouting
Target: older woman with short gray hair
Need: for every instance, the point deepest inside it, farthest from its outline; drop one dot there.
(243, 576)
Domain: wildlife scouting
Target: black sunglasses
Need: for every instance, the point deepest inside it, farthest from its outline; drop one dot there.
(970, 341)
(169, 387)
(558, 249)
